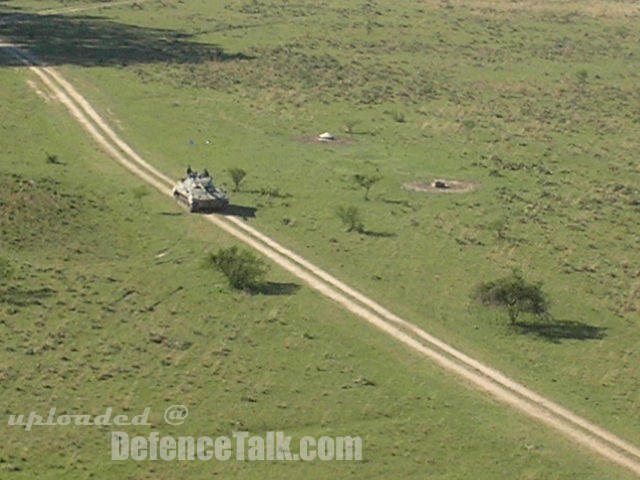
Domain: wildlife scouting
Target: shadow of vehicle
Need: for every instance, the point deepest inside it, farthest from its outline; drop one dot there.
(239, 211)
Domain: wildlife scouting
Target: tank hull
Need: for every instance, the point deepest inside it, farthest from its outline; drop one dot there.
(198, 193)
(201, 205)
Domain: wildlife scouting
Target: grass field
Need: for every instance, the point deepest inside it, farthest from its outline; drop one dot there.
(536, 106)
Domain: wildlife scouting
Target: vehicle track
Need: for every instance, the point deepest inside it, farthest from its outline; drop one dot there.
(479, 375)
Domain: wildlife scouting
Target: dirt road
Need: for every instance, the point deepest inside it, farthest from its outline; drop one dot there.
(476, 374)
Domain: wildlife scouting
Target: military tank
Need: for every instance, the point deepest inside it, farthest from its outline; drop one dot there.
(198, 192)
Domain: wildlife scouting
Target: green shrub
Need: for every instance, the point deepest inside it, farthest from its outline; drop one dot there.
(243, 270)
(53, 159)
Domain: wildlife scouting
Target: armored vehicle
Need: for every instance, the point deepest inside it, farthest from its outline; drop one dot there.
(198, 192)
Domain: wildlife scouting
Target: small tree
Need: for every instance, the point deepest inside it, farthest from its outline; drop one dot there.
(516, 295)
(366, 182)
(350, 217)
(243, 270)
(237, 177)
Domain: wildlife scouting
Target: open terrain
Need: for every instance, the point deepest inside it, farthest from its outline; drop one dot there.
(516, 187)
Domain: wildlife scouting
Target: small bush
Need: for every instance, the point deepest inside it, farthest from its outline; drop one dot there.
(53, 159)
(243, 270)
(398, 117)
(582, 75)
(515, 294)
(350, 217)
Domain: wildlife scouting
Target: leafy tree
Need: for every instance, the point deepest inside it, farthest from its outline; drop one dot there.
(237, 177)
(243, 270)
(366, 182)
(350, 217)
(514, 294)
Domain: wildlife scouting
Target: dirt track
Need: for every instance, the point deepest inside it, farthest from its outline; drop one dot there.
(475, 373)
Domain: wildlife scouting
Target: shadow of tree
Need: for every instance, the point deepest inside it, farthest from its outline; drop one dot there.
(95, 41)
(558, 330)
(277, 288)
(172, 214)
(371, 233)
(23, 297)
(403, 203)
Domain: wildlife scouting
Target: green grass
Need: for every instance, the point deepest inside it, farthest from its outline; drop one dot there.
(550, 154)
(110, 304)
(496, 98)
